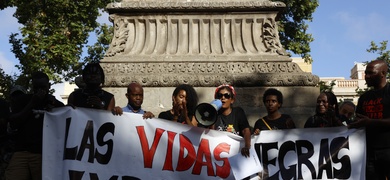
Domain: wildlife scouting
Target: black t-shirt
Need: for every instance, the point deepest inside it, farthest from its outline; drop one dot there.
(167, 115)
(29, 132)
(284, 122)
(4, 113)
(376, 105)
(235, 122)
(80, 97)
(322, 120)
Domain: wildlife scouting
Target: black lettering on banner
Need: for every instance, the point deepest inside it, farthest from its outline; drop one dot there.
(130, 178)
(303, 158)
(328, 157)
(75, 175)
(88, 142)
(88, 136)
(94, 176)
(287, 173)
(78, 175)
(324, 155)
(265, 147)
(103, 130)
(336, 145)
(69, 153)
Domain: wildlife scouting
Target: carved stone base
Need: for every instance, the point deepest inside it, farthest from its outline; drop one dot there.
(161, 44)
(299, 101)
(206, 74)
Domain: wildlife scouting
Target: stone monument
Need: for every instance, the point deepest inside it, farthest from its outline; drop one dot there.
(204, 43)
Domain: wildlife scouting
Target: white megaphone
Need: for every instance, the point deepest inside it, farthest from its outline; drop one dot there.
(206, 114)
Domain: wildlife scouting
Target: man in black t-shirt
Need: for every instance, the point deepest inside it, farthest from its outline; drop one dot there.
(4, 152)
(373, 113)
(27, 118)
(91, 95)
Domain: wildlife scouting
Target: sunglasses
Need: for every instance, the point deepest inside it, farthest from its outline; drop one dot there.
(226, 95)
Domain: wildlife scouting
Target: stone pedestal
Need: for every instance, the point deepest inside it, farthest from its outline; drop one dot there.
(162, 44)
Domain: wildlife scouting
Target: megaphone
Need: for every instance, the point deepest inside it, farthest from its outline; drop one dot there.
(206, 114)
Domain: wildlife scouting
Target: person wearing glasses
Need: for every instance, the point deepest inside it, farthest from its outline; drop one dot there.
(184, 101)
(232, 119)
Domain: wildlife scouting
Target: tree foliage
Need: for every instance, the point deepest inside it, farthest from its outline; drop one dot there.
(6, 83)
(293, 27)
(326, 86)
(54, 34)
(104, 34)
(383, 54)
(382, 51)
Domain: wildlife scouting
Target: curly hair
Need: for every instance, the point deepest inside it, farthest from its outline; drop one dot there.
(275, 92)
(191, 98)
(332, 101)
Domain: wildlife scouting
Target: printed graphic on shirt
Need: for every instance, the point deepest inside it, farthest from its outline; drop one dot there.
(228, 128)
(374, 108)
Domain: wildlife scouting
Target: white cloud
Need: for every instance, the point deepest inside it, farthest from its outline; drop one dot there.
(364, 27)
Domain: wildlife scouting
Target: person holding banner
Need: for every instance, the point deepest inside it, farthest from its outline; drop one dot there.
(184, 101)
(232, 119)
(135, 97)
(347, 112)
(273, 101)
(373, 113)
(4, 139)
(27, 117)
(327, 112)
(92, 95)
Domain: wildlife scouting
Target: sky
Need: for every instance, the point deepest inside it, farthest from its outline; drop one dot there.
(342, 31)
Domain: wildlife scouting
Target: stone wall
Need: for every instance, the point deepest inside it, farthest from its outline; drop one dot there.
(299, 101)
(161, 44)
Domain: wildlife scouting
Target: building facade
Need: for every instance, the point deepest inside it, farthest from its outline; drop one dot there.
(344, 89)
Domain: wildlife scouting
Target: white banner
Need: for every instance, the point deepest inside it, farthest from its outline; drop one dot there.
(314, 153)
(93, 144)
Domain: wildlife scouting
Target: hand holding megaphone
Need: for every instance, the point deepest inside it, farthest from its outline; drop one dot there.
(206, 114)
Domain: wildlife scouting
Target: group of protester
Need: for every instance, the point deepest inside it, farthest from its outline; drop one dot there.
(21, 119)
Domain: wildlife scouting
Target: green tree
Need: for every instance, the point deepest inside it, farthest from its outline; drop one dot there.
(4, 4)
(382, 51)
(293, 27)
(53, 36)
(384, 54)
(104, 34)
(6, 83)
(55, 32)
(325, 86)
